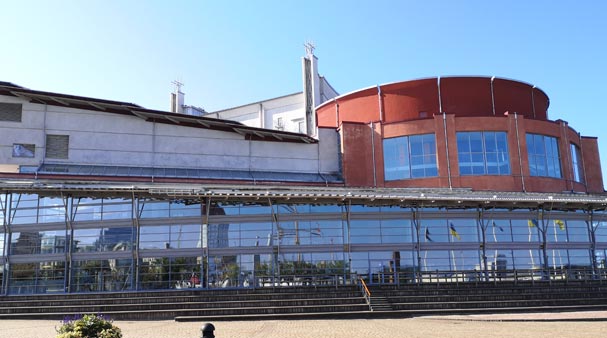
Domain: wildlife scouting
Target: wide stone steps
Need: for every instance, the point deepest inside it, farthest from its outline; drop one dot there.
(170, 304)
(310, 302)
(379, 303)
(466, 298)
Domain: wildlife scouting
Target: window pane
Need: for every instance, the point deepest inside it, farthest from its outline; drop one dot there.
(396, 159)
(463, 142)
(417, 145)
(543, 155)
(407, 157)
(490, 143)
(576, 163)
(476, 142)
(486, 155)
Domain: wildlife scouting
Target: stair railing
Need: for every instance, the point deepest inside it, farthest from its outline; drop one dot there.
(366, 292)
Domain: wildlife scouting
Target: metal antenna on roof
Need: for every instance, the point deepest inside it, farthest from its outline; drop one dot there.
(178, 86)
(309, 45)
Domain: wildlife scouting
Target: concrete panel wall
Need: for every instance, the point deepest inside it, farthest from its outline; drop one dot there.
(330, 158)
(282, 156)
(102, 138)
(28, 131)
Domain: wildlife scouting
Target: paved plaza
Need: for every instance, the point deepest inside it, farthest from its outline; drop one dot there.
(573, 324)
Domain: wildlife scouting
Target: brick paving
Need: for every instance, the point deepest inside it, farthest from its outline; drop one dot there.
(568, 324)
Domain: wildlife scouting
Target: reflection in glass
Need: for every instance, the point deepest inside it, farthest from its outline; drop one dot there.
(483, 153)
(42, 277)
(103, 239)
(171, 273)
(410, 157)
(44, 242)
(576, 163)
(102, 275)
(544, 158)
(170, 236)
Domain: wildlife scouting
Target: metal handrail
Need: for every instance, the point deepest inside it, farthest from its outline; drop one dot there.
(366, 292)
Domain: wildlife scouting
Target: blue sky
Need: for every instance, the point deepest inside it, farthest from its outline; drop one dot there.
(230, 53)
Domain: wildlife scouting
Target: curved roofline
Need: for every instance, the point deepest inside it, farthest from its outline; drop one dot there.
(430, 78)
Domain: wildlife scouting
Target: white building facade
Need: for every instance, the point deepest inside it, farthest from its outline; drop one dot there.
(293, 113)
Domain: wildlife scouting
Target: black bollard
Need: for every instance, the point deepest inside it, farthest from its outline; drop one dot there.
(207, 331)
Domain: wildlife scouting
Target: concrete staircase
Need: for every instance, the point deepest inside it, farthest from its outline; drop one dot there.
(409, 300)
(185, 305)
(380, 304)
(313, 302)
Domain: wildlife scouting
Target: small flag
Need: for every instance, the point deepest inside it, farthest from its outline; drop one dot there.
(532, 223)
(560, 223)
(316, 232)
(454, 232)
(428, 235)
(499, 227)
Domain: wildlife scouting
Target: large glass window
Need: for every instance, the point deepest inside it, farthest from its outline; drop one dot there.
(114, 274)
(544, 159)
(170, 272)
(410, 157)
(380, 231)
(43, 242)
(40, 277)
(179, 236)
(576, 163)
(483, 153)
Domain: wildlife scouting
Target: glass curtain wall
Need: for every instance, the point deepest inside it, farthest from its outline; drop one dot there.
(67, 244)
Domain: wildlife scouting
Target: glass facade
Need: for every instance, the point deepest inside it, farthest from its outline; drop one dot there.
(544, 158)
(410, 157)
(54, 244)
(483, 153)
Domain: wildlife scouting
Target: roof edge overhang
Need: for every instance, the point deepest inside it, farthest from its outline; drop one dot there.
(126, 108)
(232, 193)
(337, 98)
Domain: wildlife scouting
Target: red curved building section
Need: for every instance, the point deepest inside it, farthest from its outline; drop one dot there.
(447, 106)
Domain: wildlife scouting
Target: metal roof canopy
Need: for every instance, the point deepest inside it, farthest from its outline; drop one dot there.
(161, 172)
(225, 193)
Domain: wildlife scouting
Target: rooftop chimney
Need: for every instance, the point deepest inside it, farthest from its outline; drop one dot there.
(177, 98)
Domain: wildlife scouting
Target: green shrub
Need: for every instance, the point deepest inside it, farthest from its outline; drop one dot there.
(88, 326)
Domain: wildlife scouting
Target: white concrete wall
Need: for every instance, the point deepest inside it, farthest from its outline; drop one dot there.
(265, 114)
(329, 150)
(28, 131)
(101, 138)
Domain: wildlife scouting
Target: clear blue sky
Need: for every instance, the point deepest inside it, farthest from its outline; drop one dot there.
(230, 53)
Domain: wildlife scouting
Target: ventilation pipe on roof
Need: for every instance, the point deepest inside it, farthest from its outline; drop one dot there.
(336, 112)
(567, 156)
(518, 145)
(440, 110)
(492, 96)
(373, 153)
(447, 148)
(440, 101)
(381, 106)
(533, 101)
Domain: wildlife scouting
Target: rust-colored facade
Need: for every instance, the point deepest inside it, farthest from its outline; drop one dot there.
(444, 107)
